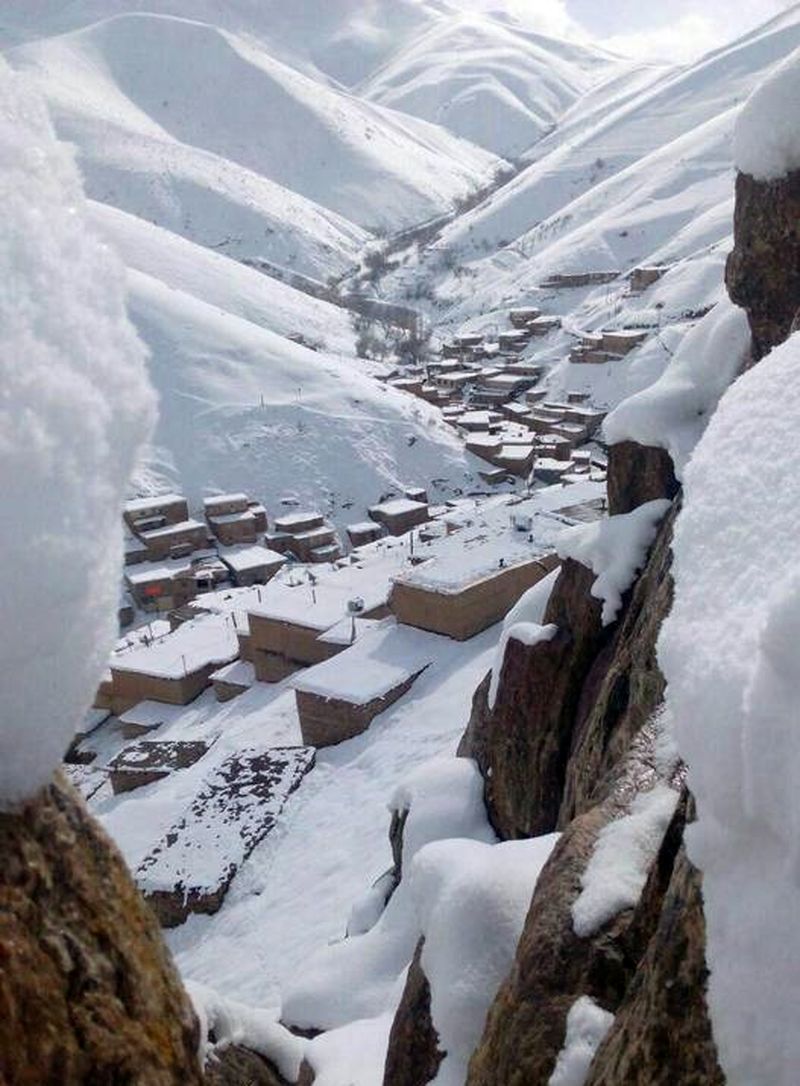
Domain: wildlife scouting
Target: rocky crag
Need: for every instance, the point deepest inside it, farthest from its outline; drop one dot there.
(571, 741)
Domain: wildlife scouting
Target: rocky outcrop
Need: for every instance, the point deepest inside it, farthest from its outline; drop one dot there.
(413, 1056)
(88, 994)
(554, 966)
(624, 688)
(238, 1066)
(662, 1034)
(763, 270)
(638, 474)
(522, 745)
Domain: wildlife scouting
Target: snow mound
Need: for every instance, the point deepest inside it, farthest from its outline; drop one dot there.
(614, 549)
(729, 653)
(442, 798)
(673, 412)
(766, 143)
(472, 900)
(587, 1025)
(617, 870)
(76, 406)
(235, 1023)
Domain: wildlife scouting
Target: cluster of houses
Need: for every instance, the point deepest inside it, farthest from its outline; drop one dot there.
(346, 624)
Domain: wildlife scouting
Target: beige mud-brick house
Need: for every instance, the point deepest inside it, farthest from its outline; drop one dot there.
(176, 668)
(461, 611)
(175, 540)
(253, 564)
(305, 543)
(163, 587)
(623, 341)
(292, 523)
(166, 508)
(642, 278)
(233, 680)
(339, 699)
(571, 280)
(220, 505)
(399, 515)
(523, 316)
(230, 529)
(287, 627)
(543, 326)
(365, 531)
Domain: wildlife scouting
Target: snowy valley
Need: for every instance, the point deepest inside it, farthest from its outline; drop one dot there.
(397, 446)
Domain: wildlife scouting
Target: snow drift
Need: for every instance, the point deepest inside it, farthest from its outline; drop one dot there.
(76, 405)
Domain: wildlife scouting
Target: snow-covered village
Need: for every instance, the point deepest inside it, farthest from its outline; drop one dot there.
(400, 676)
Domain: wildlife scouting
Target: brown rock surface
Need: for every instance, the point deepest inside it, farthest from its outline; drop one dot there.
(763, 270)
(638, 474)
(662, 1034)
(413, 1056)
(238, 1066)
(526, 1024)
(523, 743)
(625, 686)
(88, 994)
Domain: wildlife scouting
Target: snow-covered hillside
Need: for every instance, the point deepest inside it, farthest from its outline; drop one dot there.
(133, 89)
(489, 82)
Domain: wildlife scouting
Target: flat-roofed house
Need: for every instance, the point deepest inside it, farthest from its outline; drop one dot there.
(175, 668)
(477, 597)
(400, 515)
(175, 539)
(169, 508)
(163, 587)
(252, 564)
(339, 699)
(365, 531)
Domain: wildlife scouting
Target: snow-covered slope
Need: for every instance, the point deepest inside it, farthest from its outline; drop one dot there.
(245, 409)
(224, 283)
(134, 90)
(487, 82)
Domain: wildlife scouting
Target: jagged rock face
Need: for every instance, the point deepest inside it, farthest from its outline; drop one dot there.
(624, 687)
(88, 993)
(526, 1025)
(237, 1066)
(763, 271)
(662, 1034)
(638, 474)
(413, 1056)
(522, 745)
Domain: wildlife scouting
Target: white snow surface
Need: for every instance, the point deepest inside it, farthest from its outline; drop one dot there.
(766, 142)
(587, 1025)
(526, 613)
(236, 1023)
(442, 799)
(76, 406)
(472, 900)
(618, 867)
(729, 654)
(614, 549)
(673, 412)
